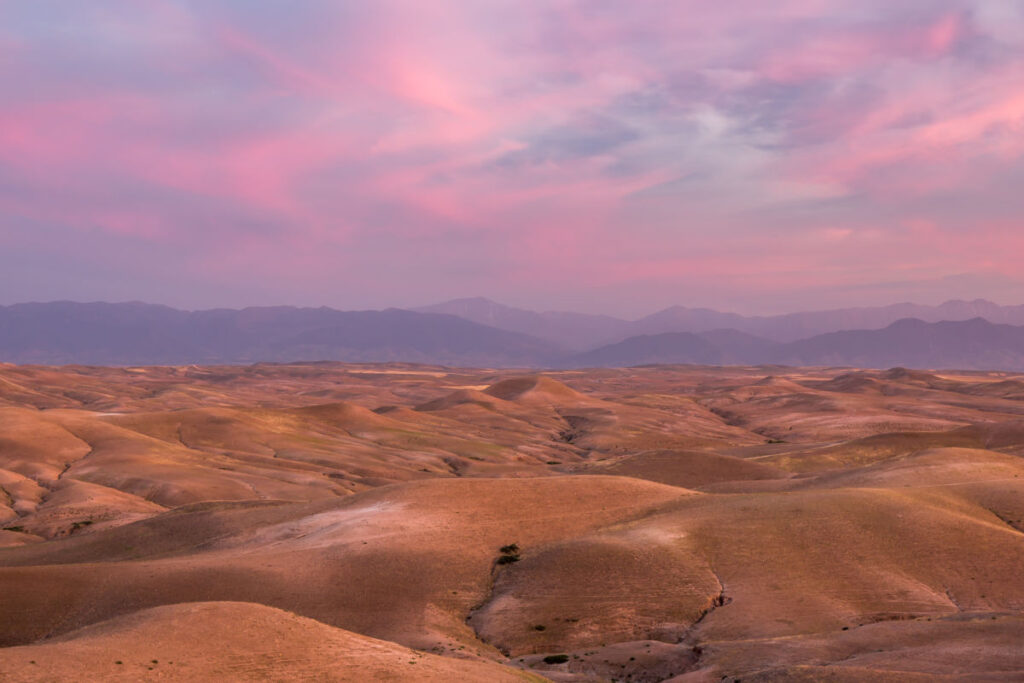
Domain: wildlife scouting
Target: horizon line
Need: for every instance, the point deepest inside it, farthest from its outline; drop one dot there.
(419, 308)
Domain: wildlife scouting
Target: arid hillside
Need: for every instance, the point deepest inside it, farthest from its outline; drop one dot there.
(330, 521)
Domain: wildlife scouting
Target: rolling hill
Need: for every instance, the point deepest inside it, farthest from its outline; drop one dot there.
(329, 521)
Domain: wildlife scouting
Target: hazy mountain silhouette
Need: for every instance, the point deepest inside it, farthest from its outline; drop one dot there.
(719, 347)
(971, 344)
(796, 326)
(584, 332)
(572, 330)
(143, 334)
(136, 334)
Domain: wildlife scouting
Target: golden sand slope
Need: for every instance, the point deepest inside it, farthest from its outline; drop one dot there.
(233, 641)
(316, 521)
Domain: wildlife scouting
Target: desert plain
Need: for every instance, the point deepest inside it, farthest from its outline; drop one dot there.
(328, 521)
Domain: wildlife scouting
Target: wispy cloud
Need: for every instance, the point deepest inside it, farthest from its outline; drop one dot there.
(697, 152)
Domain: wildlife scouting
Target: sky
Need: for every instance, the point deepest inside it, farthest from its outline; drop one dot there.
(586, 155)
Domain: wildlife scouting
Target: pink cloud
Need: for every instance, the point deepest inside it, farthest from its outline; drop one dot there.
(844, 51)
(572, 142)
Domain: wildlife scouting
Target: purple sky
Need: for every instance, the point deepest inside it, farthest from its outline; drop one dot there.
(578, 154)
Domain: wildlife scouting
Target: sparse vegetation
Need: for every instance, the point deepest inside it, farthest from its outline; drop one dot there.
(509, 554)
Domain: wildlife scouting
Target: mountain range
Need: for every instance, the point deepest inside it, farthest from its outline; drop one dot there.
(481, 333)
(974, 344)
(580, 332)
(146, 334)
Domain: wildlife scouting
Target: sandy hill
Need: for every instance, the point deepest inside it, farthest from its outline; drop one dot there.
(233, 641)
(358, 522)
(535, 388)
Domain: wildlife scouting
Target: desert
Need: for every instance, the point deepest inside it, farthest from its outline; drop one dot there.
(481, 340)
(330, 521)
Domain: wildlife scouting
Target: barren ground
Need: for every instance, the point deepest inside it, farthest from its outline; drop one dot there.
(398, 522)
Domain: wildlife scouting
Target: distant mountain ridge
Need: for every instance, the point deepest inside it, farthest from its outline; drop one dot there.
(795, 326)
(144, 334)
(571, 330)
(975, 344)
(583, 332)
